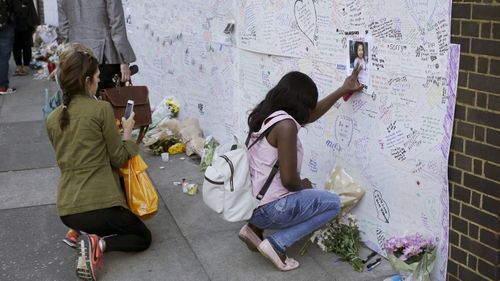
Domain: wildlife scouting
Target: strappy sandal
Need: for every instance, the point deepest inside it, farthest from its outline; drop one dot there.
(18, 72)
(267, 250)
(250, 238)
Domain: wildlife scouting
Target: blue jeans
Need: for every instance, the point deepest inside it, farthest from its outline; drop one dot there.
(6, 42)
(296, 216)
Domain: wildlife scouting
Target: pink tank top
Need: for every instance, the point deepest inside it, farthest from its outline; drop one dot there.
(262, 157)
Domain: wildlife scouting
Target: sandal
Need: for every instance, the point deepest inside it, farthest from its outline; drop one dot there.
(268, 251)
(19, 71)
(250, 238)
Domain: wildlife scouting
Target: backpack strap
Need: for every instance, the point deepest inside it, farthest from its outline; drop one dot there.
(276, 166)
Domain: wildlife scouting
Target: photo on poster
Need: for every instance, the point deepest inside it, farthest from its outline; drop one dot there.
(358, 55)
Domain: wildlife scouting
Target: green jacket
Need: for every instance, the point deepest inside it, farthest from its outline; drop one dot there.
(88, 152)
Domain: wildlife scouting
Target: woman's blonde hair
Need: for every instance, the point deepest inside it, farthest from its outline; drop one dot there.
(76, 63)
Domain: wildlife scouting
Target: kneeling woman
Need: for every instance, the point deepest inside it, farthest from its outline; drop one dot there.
(289, 205)
(88, 151)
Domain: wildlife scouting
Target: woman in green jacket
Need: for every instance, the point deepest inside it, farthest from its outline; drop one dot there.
(89, 150)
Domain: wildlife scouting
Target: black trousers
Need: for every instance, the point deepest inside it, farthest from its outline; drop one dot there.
(22, 47)
(130, 234)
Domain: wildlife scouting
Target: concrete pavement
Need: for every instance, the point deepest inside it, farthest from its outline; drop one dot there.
(190, 242)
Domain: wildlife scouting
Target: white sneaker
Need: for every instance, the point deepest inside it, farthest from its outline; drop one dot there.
(7, 91)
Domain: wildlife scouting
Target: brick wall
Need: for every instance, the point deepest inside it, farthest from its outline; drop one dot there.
(474, 164)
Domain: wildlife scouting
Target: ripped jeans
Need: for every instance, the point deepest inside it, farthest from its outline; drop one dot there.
(296, 216)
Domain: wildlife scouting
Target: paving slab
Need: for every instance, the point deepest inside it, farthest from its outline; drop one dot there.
(170, 260)
(342, 271)
(28, 187)
(26, 103)
(25, 145)
(190, 212)
(32, 250)
(225, 257)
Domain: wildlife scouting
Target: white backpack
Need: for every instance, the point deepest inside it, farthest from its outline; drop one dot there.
(227, 188)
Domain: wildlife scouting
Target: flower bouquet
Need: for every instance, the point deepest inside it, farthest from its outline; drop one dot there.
(413, 256)
(173, 106)
(340, 237)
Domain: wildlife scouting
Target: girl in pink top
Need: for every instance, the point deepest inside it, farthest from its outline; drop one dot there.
(290, 205)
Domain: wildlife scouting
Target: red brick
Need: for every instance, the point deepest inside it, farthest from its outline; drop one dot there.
(487, 269)
(459, 225)
(455, 27)
(471, 261)
(479, 133)
(478, 167)
(478, 249)
(455, 175)
(467, 62)
(454, 207)
(487, 118)
(481, 184)
(458, 255)
(493, 137)
(484, 83)
(459, 112)
(457, 144)
(482, 218)
(452, 268)
(465, 130)
(486, 30)
(481, 100)
(484, 12)
(463, 162)
(461, 194)
(482, 65)
(450, 277)
(482, 151)
(463, 42)
(495, 67)
(489, 238)
(463, 79)
(496, 31)
(485, 47)
(461, 11)
(494, 103)
(466, 274)
(470, 28)
(466, 96)
(491, 205)
(476, 199)
(473, 231)
(492, 171)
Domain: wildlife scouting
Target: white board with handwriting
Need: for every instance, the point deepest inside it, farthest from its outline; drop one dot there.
(393, 137)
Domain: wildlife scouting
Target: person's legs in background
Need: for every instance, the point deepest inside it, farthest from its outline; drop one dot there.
(6, 41)
(27, 43)
(17, 51)
(22, 51)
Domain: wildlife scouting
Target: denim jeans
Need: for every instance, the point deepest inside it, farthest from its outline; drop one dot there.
(6, 42)
(296, 216)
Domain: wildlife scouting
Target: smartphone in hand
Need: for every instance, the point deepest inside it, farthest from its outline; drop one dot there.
(129, 108)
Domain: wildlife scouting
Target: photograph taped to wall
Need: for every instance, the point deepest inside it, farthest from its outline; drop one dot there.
(358, 54)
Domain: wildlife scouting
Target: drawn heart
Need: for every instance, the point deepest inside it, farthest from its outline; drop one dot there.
(307, 20)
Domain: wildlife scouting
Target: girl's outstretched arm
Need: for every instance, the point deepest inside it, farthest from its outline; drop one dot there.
(351, 85)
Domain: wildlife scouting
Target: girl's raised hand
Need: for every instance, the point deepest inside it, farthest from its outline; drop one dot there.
(351, 83)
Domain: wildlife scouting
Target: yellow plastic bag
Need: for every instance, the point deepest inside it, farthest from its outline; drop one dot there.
(141, 195)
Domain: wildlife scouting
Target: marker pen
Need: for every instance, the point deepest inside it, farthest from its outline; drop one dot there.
(374, 264)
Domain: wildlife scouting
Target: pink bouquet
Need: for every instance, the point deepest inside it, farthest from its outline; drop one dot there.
(412, 255)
